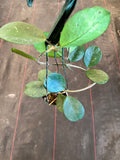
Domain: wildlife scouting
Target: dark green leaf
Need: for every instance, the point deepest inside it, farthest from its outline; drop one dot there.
(42, 75)
(73, 109)
(92, 56)
(60, 101)
(21, 33)
(76, 53)
(85, 26)
(35, 89)
(55, 83)
(97, 76)
(22, 53)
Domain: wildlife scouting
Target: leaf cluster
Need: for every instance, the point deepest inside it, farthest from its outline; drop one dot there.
(83, 27)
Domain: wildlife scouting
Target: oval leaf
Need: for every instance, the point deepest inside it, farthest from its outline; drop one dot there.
(92, 56)
(35, 89)
(23, 54)
(73, 109)
(97, 76)
(85, 26)
(21, 33)
(55, 83)
(76, 54)
(42, 75)
(60, 101)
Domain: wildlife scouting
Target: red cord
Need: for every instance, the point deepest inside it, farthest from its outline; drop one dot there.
(55, 108)
(54, 133)
(28, 51)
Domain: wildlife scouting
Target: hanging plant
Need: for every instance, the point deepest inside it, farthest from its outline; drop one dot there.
(83, 27)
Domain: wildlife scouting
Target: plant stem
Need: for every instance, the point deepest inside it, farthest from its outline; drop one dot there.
(70, 65)
(74, 66)
(80, 90)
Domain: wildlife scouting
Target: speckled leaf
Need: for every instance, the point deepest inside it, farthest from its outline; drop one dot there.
(76, 53)
(85, 26)
(21, 33)
(42, 75)
(73, 109)
(97, 76)
(35, 89)
(92, 56)
(55, 83)
(60, 101)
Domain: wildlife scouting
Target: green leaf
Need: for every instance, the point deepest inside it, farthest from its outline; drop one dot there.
(21, 33)
(84, 26)
(42, 75)
(40, 47)
(73, 109)
(92, 56)
(22, 54)
(97, 76)
(60, 101)
(76, 53)
(55, 83)
(35, 89)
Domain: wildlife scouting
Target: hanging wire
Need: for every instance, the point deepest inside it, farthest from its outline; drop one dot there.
(46, 46)
(64, 67)
(56, 61)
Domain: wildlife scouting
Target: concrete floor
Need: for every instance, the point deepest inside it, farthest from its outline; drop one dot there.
(97, 135)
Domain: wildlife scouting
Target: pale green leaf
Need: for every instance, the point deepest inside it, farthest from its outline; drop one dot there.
(42, 75)
(35, 89)
(85, 26)
(97, 76)
(21, 33)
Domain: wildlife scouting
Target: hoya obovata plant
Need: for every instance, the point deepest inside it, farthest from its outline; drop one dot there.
(83, 27)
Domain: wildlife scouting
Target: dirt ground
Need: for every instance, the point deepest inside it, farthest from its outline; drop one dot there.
(32, 130)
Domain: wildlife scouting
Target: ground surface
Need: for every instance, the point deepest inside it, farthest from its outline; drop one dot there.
(27, 126)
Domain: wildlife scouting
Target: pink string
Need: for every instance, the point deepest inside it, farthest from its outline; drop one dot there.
(16, 125)
(55, 109)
